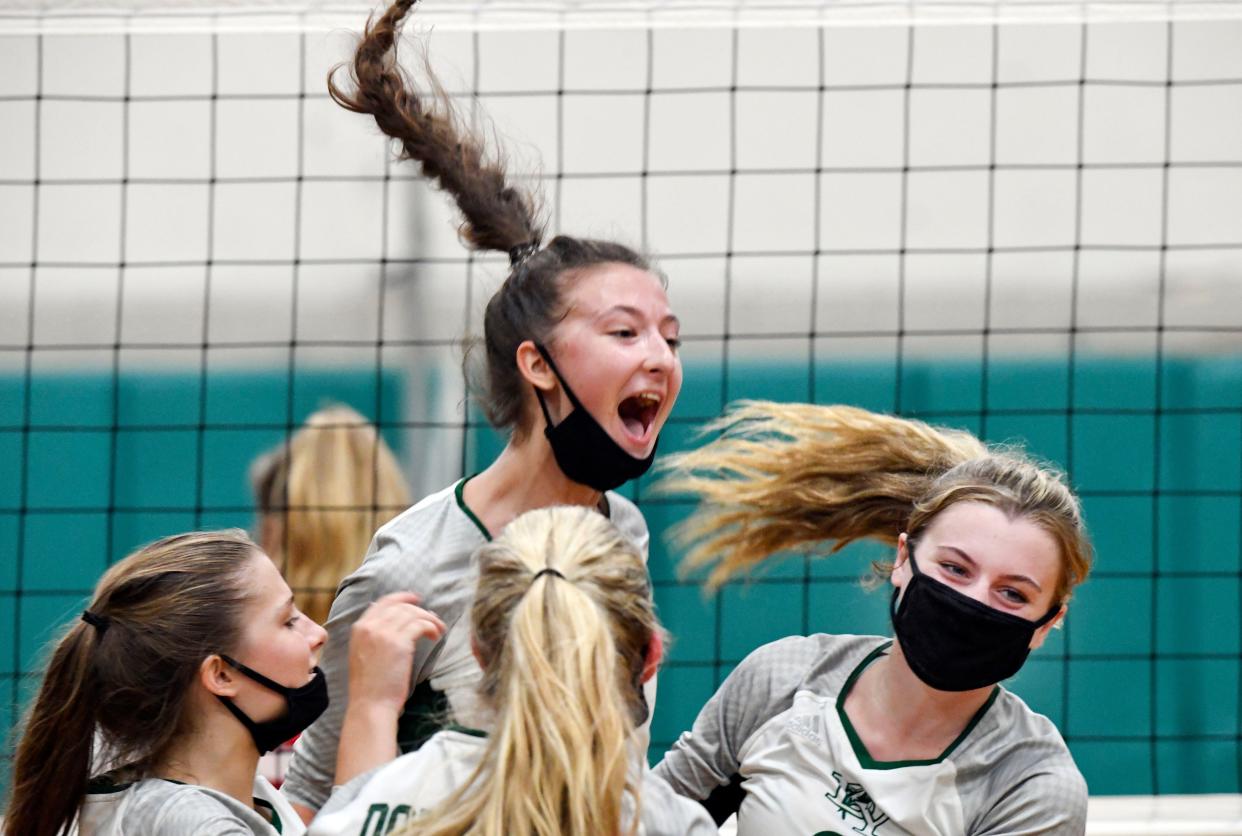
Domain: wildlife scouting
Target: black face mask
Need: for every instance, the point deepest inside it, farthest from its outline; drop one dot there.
(953, 642)
(583, 449)
(305, 704)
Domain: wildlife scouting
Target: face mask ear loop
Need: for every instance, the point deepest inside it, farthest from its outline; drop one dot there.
(271, 685)
(1048, 616)
(573, 399)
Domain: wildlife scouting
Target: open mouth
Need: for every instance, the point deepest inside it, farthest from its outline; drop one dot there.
(638, 413)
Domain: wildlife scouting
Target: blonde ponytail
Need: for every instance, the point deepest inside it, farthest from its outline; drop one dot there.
(562, 653)
(786, 476)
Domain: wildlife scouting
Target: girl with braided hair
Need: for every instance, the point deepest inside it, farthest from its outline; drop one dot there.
(581, 369)
(825, 733)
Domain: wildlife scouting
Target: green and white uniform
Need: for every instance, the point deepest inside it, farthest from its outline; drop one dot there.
(156, 807)
(426, 549)
(380, 801)
(778, 722)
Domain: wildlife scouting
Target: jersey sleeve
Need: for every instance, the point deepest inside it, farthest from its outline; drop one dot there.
(310, 777)
(1052, 802)
(758, 689)
(665, 813)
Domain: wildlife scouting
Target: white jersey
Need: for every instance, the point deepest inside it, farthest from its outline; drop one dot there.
(156, 807)
(427, 549)
(778, 722)
(381, 801)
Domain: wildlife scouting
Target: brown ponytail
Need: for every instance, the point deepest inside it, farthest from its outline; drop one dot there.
(794, 476)
(161, 611)
(496, 214)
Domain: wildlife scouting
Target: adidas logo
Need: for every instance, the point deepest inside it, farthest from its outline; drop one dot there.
(805, 726)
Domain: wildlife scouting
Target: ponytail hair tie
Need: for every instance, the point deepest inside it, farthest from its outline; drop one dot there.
(547, 571)
(99, 622)
(522, 252)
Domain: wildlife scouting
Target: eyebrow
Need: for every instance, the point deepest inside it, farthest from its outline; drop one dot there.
(1011, 577)
(633, 311)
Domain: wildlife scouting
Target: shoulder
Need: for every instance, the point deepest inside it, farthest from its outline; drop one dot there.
(162, 807)
(818, 662)
(765, 683)
(628, 519)
(433, 517)
(1023, 770)
(434, 531)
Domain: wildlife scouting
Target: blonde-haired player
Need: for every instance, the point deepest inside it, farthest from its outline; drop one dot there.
(564, 628)
(321, 495)
(863, 734)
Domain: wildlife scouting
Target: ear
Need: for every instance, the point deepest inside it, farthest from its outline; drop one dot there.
(534, 368)
(655, 655)
(474, 650)
(901, 565)
(1041, 635)
(215, 675)
(271, 535)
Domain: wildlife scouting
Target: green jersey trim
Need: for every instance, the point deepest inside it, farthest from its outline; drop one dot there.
(860, 749)
(266, 809)
(465, 730)
(459, 492)
(106, 785)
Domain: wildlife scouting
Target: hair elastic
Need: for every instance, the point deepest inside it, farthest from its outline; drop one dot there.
(522, 252)
(99, 622)
(547, 571)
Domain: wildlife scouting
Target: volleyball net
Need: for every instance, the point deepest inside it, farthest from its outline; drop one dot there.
(1024, 219)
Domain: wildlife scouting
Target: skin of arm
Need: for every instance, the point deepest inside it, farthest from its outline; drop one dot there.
(381, 659)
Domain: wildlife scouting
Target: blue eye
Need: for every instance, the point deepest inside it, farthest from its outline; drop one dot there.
(1015, 596)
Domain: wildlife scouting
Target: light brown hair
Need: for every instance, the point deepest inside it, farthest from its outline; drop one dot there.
(167, 607)
(328, 489)
(797, 476)
(562, 661)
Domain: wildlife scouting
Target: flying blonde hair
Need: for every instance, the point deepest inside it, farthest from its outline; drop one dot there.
(563, 657)
(784, 476)
(330, 487)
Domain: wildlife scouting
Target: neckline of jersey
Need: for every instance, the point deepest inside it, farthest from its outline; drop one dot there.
(860, 748)
(104, 785)
(272, 816)
(459, 492)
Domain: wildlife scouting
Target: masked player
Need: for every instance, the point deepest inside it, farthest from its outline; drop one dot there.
(865, 734)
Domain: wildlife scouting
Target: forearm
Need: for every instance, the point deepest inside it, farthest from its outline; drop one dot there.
(368, 739)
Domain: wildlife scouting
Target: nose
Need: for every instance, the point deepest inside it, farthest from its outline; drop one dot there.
(316, 636)
(660, 357)
(979, 590)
